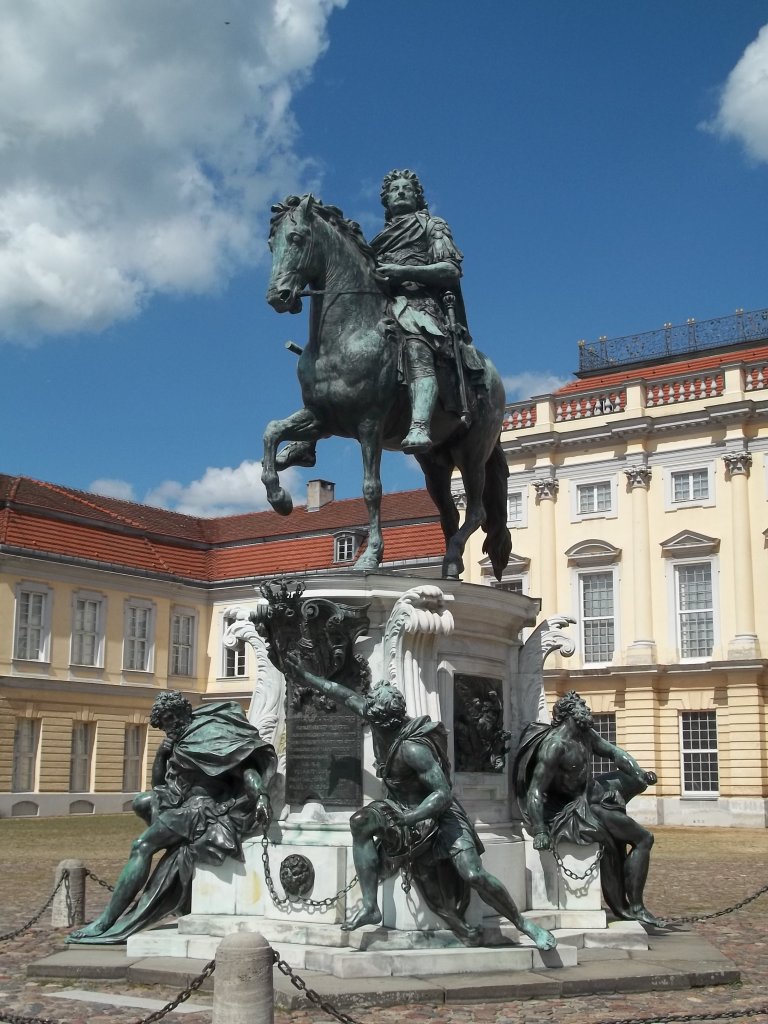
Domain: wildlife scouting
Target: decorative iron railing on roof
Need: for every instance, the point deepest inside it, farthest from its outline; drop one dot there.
(669, 340)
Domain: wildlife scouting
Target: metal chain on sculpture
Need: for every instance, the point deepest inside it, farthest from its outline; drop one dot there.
(9, 936)
(282, 901)
(314, 997)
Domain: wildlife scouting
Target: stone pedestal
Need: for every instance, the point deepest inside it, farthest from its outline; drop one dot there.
(422, 637)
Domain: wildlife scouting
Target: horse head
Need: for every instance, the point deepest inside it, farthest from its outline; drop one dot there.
(290, 240)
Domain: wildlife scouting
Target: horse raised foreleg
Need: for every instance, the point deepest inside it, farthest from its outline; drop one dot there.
(300, 426)
(473, 478)
(369, 435)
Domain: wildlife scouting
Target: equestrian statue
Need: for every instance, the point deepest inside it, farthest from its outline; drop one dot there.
(390, 362)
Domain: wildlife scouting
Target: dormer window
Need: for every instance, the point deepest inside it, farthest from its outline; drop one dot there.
(345, 546)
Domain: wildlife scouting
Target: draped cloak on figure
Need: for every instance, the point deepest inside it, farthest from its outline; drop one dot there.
(572, 819)
(203, 774)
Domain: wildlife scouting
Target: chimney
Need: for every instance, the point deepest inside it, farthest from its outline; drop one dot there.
(319, 493)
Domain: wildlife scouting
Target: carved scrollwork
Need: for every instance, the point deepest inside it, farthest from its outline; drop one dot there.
(421, 615)
(545, 640)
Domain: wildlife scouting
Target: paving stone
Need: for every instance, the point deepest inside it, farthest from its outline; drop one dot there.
(83, 962)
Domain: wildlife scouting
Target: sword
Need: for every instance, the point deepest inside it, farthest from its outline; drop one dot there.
(449, 299)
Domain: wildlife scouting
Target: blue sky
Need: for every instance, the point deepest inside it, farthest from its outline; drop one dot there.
(603, 167)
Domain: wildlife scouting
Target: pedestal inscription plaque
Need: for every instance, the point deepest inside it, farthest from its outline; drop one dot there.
(324, 756)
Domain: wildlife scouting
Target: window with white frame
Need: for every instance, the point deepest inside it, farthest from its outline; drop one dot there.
(234, 657)
(344, 547)
(594, 498)
(515, 508)
(514, 585)
(87, 630)
(182, 643)
(83, 735)
(605, 727)
(689, 485)
(698, 751)
(33, 614)
(695, 609)
(25, 744)
(138, 643)
(133, 757)
(598, 621)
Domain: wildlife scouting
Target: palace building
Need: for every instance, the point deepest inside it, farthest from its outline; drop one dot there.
(638, 504)
(104, 603)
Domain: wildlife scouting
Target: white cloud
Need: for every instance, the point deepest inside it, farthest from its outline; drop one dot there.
(520, 386)
(743, 110)
(113, 489)
(140, 146)
(222, 491)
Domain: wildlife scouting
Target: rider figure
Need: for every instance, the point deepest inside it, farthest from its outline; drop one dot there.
(418, 257)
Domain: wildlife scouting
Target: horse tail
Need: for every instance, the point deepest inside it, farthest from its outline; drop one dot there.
(498, 541)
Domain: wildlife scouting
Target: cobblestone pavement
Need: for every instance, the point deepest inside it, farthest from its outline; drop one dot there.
(693, 871)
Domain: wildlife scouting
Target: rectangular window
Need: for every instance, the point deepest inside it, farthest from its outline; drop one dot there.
(513, 586)
(597, 616)
(234, 657)
(515, 507)
(605, 727)
(31, 625)
(698, 746)
(86, 631)
(80, 757)
(138, 638)
(593, 498)
(695, 610)
(345, 548)
(25, 740)
(690, 485)
(182, 644)
(133, 758)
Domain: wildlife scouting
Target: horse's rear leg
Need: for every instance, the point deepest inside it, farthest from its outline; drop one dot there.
(437, 477)
(300, 426)
(369, 435)
(473, 478)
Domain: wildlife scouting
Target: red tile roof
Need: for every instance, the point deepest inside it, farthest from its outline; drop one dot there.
(661, 370)
(47, 519)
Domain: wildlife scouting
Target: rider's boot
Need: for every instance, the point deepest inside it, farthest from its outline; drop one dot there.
(422, 388)
(423, 397)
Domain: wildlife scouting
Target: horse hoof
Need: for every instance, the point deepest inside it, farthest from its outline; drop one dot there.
(365, 564)
(282, 503)
(452, 571)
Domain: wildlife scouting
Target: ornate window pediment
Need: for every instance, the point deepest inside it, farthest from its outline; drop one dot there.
(588, 553)
(689, 544)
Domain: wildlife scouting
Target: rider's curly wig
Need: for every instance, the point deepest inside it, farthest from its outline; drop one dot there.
(566, 706)
(170, 702)
(421, 203)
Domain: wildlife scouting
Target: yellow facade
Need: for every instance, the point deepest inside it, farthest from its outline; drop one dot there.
(59, 697)
(639, 506)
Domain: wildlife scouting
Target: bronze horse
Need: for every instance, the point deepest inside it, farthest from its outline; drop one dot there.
(348, 373)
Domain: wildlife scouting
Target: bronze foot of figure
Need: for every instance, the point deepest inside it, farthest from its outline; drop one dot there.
(417, 440)
(365, 915)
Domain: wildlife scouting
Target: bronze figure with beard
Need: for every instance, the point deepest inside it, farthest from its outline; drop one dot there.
(560, 799)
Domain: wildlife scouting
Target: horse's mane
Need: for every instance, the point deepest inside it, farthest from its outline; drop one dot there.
(331, 214)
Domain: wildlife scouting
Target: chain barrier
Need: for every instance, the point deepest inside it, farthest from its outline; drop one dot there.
(283, 901)
(99, 881)
(314, 997)
(64, 880)
(193, 986)
(666, 922)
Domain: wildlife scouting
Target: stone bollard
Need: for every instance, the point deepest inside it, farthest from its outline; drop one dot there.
(242, 983)
(68, 907)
